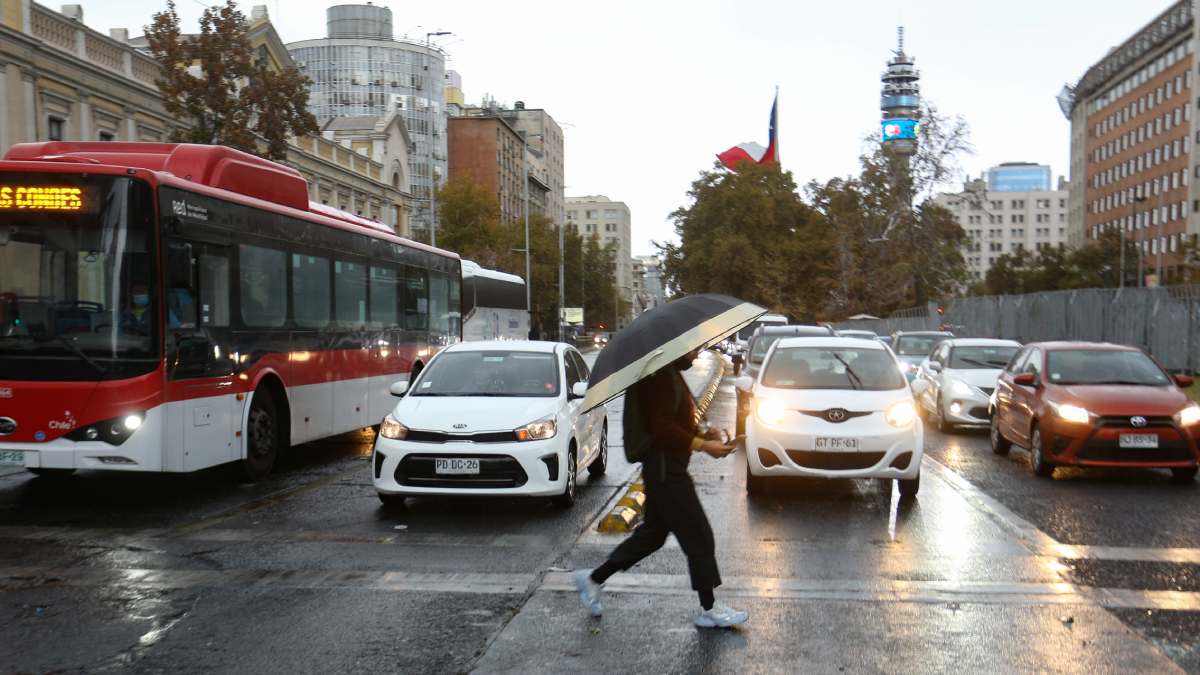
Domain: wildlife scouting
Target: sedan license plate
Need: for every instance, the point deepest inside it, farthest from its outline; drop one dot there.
(456, 466)
(832, 443)
(1139, 440)
(12, 458)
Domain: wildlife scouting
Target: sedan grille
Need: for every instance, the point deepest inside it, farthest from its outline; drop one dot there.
(1123, 421)
(1111, 451)
(835, 461)
(417, 436)
(495, 471)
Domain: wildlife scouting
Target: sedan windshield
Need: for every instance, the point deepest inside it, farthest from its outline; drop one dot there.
(761, 346)
(1084, 366)
(916, 345)
(981, 358)
(78, 298)
(490, 373)
(832, 368)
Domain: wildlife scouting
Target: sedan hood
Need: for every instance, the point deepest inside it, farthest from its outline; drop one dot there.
(824, 399)
(984, 378)
(1122, 399)
(475, 413)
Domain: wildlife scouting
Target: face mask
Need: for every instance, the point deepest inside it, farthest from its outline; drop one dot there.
(141, 299)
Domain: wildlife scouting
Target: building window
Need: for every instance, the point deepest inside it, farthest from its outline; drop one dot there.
(107, 136)
(54, 128)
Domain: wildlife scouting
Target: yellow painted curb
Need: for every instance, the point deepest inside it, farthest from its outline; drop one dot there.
(628, 511)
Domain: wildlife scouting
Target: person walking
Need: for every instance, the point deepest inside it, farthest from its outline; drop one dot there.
(660, 421)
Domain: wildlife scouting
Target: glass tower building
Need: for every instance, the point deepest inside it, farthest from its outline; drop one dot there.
(360, 69)
(1018, 177)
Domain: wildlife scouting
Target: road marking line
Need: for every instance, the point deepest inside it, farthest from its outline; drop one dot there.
(926, 592)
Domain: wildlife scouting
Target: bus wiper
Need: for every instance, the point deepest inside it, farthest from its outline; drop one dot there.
(80, 353)
(850, 374)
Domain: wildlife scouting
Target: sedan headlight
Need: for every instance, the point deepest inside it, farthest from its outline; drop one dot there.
(901, 414)
(1072, 413)
(771, 412)
(960, 388)
(1188, 416)
(537, 431)
(392, 428)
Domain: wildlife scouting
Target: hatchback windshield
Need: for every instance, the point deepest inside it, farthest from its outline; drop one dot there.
(1085, 366)
(975, 357)
(832, 368)
(761, 346)
(490, 373)
(78, 298)
(916, 345)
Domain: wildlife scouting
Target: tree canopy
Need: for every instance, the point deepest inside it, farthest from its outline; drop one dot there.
(214, 83)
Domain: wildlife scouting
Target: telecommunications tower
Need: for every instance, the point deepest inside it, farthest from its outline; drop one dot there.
(900, 101)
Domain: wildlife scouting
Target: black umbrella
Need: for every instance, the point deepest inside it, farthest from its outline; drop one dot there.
(662, 335)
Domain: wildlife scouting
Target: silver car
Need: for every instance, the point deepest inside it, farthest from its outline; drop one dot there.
(962, 375)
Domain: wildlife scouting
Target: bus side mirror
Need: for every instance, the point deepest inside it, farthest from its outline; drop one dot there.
(179, 265)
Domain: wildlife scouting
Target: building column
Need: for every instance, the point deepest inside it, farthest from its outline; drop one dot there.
(130, 125)
(4, 121)
(85, 117)
(27, 88)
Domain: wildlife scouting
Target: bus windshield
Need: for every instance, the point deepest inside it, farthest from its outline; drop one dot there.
(78, 300)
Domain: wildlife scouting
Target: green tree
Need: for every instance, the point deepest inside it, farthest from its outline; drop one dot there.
(213, 84)
(469, 224)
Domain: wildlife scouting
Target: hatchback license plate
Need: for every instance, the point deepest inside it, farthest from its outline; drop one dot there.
(1139, 440)
(832, 443)
(456, 466)
(12, 458)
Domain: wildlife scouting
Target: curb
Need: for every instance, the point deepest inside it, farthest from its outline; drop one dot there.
(627, 512)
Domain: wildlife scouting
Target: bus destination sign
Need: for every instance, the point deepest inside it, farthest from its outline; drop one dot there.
(41, 198)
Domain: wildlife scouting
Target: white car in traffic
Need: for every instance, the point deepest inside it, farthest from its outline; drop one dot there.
(962, 374)
(492, 418)
(833, 407)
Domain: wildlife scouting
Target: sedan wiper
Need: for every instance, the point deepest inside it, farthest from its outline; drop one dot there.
(70, 344)
(850, 374)
(981, 364)
(1129, 382)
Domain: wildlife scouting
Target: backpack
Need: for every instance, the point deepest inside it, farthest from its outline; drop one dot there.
(636, 436)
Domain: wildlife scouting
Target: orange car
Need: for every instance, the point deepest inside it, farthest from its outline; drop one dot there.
(1095, 404)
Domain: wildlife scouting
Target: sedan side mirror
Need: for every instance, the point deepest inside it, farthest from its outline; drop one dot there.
(744, 383)
(1184, 381)
(578, 390)
(935, 367)
(1025, 379)
(919, 387)
(399, 388)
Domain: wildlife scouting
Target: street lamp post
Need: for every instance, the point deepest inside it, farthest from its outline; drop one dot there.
(429, 142)
(1137, 199)
(528, 273)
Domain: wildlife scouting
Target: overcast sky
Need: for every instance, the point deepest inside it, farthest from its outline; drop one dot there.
(648, 92)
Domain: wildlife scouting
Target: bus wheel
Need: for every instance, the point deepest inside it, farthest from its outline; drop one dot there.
(51, 473)
(262, 437)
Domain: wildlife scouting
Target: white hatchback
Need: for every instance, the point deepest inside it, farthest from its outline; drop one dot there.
(833, 408)
(962, 375)
(492, 418)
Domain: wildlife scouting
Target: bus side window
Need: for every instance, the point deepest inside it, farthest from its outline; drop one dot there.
(350, 293)
(385, 290)
(263, 275)
(310, 290)
(416, 299)
(214, 288)
(439, 303)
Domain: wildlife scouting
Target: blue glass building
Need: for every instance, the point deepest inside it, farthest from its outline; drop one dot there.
(1018, 177)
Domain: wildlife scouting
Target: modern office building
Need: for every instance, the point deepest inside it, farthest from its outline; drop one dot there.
(361, 69)
(1132, 129)
(489, 152)
(611, 222)
(1006, 221)
(65, 81)
(1018, 177)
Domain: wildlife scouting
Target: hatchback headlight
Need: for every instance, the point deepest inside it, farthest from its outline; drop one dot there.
(1072, 413)
(537, 431)
(1188, 416)
(960, 388)
(393, 429)
(901, 414)
(771, 412)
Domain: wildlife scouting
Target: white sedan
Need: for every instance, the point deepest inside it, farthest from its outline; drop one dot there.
(962, 375)
(492, 418)
(834, 408)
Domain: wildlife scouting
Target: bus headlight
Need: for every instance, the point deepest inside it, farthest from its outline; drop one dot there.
(901, 414)
(132, 422)
(393, 429)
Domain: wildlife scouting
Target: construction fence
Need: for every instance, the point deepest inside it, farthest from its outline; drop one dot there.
(1163, 321)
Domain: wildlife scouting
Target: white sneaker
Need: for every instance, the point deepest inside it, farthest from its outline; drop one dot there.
(721, 617)
(589, 591)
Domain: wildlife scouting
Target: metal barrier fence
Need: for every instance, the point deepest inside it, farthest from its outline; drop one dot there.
(1163, 321)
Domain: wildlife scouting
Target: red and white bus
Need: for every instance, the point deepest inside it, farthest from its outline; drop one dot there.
(171, 307)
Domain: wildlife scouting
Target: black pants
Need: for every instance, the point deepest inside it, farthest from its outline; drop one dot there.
(672, 507)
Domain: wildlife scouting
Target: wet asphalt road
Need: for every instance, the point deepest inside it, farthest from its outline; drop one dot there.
(990, 570)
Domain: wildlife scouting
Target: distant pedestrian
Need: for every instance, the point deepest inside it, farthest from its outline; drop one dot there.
(660, 423)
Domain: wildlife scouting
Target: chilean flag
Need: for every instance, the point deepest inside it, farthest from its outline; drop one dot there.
(753, 152)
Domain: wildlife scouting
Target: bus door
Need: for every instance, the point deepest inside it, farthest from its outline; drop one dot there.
(204, 412)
